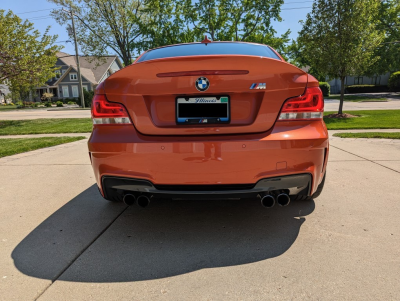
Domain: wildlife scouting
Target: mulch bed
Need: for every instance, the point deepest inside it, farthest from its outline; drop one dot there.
(344, 115)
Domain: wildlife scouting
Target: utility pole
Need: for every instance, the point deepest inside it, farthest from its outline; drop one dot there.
(77, 58)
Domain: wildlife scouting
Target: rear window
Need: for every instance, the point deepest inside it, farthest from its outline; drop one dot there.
(213, 48)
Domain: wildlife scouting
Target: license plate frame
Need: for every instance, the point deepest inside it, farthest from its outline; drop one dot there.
(198, 107)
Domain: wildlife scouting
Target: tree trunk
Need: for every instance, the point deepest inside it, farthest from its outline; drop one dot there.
(341, 95)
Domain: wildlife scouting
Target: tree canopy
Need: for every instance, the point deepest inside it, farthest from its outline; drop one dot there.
(388, 52)
(128, 27)
(339, 38)
(27, 58)
(103, 25)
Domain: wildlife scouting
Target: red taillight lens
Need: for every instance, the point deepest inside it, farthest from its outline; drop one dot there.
(105, 112)
(310, 105)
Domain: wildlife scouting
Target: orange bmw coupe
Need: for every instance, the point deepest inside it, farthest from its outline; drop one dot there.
(209, 120)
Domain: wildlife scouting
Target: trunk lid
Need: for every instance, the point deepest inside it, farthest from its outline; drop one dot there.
(150, 96)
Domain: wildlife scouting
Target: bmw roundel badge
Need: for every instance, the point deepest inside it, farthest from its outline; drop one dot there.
(202, 84)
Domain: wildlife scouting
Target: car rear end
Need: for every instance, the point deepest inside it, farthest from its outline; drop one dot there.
(256, 129)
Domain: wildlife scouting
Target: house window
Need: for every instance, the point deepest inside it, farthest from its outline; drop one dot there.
(75, 92)
(65, 91)
(63, 71)
(358, 80)
(85, 88)
(58, 74)
(73, 76)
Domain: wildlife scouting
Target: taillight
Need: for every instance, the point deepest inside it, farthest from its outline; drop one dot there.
(310, 105)
(105, 112)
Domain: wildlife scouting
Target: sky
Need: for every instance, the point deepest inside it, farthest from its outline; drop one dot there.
(38, 12)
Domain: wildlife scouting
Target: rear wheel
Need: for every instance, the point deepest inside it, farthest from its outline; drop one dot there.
(311, 197)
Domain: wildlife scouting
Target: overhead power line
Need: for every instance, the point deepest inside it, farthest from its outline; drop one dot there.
(34, 11)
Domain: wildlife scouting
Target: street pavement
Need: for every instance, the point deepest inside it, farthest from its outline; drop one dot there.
(330, 105)
(43, 113)
(333, 105)
(59, 240)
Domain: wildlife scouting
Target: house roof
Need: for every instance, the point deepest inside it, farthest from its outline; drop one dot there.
(92, 68)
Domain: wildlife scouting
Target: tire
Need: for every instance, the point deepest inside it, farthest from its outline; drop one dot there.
(311, 197)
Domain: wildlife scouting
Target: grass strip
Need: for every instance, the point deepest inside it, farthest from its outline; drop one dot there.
(378, 119)
(45, 126)
(12, 146)
(369, 135)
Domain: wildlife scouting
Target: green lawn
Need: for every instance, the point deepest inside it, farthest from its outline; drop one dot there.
(45, 126)
(369, 135)
(12, 146)
(7, 108)
(357, 98)
(379, 119)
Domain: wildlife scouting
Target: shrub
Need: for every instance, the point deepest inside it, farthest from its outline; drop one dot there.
(47, 96)
(88, 98)
(71, 102)
(365, 89)
(325, 88)
(394, 82)
(35, 104)
(47, 104)
(59, 104)
(28, 104)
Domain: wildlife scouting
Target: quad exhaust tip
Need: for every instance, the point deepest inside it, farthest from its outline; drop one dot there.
(129, 199)
(283, 199)
(143, 201)
(268, 201)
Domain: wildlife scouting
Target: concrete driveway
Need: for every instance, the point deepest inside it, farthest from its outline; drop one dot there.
(59, 240)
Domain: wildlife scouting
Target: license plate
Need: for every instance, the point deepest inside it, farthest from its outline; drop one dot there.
(202, 110)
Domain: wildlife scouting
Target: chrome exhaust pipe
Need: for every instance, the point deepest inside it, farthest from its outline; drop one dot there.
(268, 201)
(129, 199)
(143, 201)
(283, 199)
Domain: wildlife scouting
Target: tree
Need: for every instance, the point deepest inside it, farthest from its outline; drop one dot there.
(104, 25)
(388, 21)
(27, 58)
(294, 55)
(171, 21)
(165, 23)
(238, 20)
(339, 38)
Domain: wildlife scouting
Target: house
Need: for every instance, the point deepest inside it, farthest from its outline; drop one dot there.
(4, 90)
(378, 80)
(66, 85)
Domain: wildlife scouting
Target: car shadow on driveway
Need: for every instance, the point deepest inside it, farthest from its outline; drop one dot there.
(170, 237)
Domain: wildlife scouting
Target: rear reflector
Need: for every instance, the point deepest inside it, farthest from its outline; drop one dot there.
(105, 112)
(310, 105)
(203, 72)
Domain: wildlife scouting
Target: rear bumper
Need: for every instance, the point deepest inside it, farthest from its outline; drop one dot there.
(293, 185)
(290, 148)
